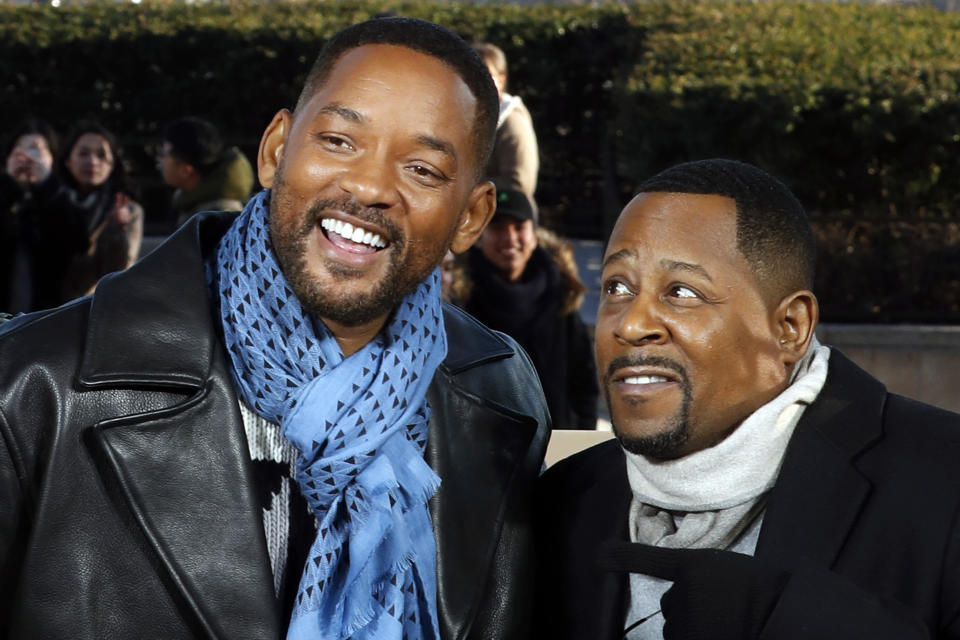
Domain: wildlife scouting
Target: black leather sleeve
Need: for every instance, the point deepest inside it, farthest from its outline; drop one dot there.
(13, 522)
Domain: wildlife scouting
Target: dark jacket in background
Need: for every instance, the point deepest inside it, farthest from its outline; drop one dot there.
(127, 505)
(111, 246)
(226, 188)
(41, 233)
(865, 514)
(532, 312)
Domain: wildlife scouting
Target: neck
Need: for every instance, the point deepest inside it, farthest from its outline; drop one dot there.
(353, 338)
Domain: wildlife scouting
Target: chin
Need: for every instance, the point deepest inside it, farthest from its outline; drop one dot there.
(667, 442)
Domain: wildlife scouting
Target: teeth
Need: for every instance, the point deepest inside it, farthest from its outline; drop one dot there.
(352, 233)
(645, 379)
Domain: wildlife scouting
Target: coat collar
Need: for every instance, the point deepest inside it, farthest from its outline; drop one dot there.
(143, 332)
(819, 491)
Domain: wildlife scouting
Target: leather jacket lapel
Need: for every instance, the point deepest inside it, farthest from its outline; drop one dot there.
(183, 472)
(478, 451)
(184, 475)
(819, 492)
(142, 331)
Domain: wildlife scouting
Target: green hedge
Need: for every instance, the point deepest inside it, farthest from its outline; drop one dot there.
(854, 106)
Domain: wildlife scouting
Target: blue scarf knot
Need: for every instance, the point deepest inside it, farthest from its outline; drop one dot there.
(360, 427)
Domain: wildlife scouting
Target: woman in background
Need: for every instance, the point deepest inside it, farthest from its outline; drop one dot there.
(102, 199)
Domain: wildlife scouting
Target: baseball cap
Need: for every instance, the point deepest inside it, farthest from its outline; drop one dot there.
(515, 204)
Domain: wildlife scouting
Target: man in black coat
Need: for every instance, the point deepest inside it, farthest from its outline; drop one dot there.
(761, 486)
(271, 426)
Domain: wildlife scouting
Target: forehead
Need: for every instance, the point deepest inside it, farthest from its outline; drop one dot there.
(694, 228)
(91, 141)
(380, 81)
(31, 139)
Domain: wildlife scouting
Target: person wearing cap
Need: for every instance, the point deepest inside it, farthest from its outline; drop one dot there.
(207, 176)
(521, 279)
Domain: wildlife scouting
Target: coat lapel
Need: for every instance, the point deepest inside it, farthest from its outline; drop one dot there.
(183, 472)
(480, 452)
(819, 492)
(477, 467)
(605, 518)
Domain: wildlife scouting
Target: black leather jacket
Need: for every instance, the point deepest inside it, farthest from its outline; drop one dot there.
(126, 505)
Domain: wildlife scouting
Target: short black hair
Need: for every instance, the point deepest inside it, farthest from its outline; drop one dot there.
(773, 231)
(195, 141)
(427, 38)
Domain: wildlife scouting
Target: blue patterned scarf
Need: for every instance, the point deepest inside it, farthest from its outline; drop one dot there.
(360, 427)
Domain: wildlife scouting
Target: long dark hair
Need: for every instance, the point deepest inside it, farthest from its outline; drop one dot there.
(118, 181)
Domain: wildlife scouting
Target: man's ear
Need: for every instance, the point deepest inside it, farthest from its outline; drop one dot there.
(474, 218)
(271, 147)
(796, 318)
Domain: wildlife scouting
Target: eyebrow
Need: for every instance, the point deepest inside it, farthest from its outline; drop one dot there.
(437, 144)
(667, 265)
(344, 112)
(674, 265)
(619, 256)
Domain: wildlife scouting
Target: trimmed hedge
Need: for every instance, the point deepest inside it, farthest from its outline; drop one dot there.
(854, 106)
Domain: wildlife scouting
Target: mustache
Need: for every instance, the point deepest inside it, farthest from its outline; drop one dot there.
(349, 205)
(621, 362)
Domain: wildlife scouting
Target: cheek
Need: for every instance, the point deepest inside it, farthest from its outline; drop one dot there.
(604, 341)
(303, 174)
(735, 370)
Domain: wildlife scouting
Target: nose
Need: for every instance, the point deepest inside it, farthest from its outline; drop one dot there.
(641, 323)
(370, 179)
(512, 235)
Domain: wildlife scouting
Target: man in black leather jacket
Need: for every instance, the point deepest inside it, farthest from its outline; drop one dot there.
(144, 492)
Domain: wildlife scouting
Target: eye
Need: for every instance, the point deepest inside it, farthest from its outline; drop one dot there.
(427, 175)
(684, 295)
(334, 142)
(613, 288)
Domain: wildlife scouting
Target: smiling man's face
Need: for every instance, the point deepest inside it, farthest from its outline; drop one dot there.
(372, 181)
(686, 346)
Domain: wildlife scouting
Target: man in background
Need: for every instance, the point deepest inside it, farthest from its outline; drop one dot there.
(516, 158)
(207, 176)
